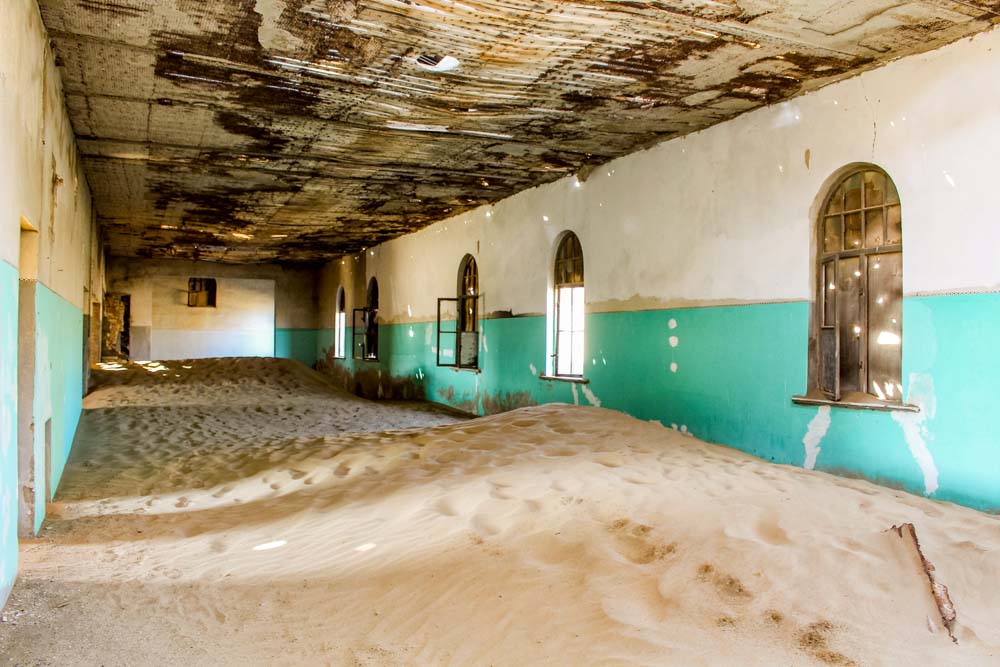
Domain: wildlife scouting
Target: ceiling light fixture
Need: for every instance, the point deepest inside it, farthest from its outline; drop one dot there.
(438, 63)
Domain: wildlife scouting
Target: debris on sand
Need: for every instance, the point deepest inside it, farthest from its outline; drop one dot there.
(945, 606)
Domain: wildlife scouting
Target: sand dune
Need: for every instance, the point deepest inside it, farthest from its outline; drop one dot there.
(248, 513)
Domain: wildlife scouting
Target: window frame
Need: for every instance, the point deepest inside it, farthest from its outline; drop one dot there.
(368, 331)
(340, 324)
(564, 276)
(198, 286)
(820, 314)
(466, 305)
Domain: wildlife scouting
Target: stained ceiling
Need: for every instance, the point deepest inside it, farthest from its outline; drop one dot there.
(297, 130)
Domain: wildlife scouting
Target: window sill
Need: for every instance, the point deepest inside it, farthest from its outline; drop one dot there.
(564, 378)
(460, 369)
(856, 402)
(371, 359)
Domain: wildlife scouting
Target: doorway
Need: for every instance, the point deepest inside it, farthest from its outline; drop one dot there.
(26, 317)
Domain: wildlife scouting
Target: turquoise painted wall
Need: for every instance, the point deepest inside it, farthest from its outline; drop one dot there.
(8, 429)
(299, 344)
(58, 385)
(727, 375)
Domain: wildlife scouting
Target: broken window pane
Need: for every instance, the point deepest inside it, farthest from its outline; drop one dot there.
(891, 195)
(852, 231)
(836, 204)
(852, 192)
(874, 189)
(874, 228)
(831, 233)
(894, 235)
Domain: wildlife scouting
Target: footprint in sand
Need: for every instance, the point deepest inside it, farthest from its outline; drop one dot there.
(814, 640)
(446, 507)
(223, 491)
(499, 494)
(609, 461)
(725, 584)
(636, 480)
(633, 542)
(485, 526)
(182, 503)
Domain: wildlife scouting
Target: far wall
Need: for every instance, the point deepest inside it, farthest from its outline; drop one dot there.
(241, 324)
(261, 310)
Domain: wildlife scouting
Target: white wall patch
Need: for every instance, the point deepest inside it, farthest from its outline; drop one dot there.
(818, 427)
(589, 395)
(914, 425)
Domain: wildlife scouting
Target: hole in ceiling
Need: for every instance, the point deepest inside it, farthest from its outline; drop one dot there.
(438, 63)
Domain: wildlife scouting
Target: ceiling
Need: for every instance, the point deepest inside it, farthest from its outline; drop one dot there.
(297, 130)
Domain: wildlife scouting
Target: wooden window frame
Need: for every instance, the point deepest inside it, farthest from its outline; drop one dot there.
(202, 293)
(465, 335)
(565, 275)
(825, 364)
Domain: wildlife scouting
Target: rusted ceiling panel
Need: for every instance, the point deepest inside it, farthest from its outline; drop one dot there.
(294, 130)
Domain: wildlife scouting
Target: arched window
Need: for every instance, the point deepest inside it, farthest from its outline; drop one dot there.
(858, 318)
(458, 320)
(366, 325)
(340, 325)
(568, 308)
(468, 291)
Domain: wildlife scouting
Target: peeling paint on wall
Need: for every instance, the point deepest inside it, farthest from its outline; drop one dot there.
(914, 425)
(590, 396)
(209, 128)
(818, 427)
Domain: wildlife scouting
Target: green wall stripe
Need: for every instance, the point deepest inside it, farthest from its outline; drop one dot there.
(8, 428)
(58, 384)
(737, 368)
(299, 344)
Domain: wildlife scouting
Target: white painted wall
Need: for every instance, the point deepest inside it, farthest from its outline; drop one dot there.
(240, 325)
(38, 144)
(349, 273)
(294, 296)
(726, 215)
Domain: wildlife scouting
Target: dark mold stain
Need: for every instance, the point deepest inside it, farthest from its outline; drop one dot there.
(506, 401)
(279, 124)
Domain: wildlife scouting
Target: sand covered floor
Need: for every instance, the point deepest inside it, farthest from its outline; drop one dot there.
(244, 512)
